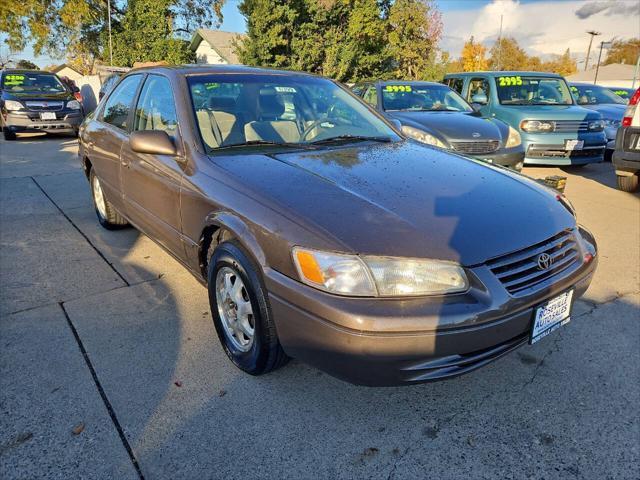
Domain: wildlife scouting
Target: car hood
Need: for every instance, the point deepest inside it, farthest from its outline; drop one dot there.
(24, 96)
(551, 112)
(609, 111)
(403, 199)
(453, 126)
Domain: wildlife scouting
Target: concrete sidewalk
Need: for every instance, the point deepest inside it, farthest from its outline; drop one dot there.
(110, 367)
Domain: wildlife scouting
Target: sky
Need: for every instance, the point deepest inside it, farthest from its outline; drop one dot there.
(541, 27)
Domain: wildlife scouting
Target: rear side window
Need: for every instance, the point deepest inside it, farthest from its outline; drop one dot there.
(455, 84)
(118, 105)
(156, 108)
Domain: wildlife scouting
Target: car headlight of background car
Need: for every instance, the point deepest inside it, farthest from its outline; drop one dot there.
(610, 122)
(11, 105)
(537, 126)
(73, 105)
(514, 139)
(596, 126)
(371, 276)
(422, 136)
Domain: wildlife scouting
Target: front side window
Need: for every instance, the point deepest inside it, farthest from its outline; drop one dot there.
(116, 109)
(32, 82)
(156, 109)
(371, 96)
(422, 97)
(519, 90)
(594, 95)
(478, 87)
(242, 109)
(455, 84)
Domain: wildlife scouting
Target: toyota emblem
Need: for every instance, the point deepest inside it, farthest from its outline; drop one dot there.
(476, 135)
(544, 261)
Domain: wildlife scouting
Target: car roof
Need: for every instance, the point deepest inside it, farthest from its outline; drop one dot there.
(196, 69)
(505, 73)
(24, 70)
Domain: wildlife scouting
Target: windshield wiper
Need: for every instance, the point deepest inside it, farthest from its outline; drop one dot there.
(359, 138)
(252, 143)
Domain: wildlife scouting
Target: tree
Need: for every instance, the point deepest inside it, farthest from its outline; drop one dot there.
(78, 28)
(472, 57)
(26, 64)
(624, 51)
(561, 64)
(506, 54)
(415, 29)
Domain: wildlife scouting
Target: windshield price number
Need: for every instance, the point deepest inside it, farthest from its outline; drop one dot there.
(509, 81)
(397, 88)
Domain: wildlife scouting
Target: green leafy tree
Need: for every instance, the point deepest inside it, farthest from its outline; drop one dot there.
(26, 64)
(624, 51)
(506, 54)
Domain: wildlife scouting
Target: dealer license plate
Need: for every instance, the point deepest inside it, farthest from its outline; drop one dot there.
(573, 145)
(551, 316)
(47, 115)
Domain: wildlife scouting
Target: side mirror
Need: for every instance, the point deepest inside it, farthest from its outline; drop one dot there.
(154, 142)
(480, 99)
(396, 123)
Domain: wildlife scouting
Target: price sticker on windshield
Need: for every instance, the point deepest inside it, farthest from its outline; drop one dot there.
(13, 79)
(397, 88)
(509, 81)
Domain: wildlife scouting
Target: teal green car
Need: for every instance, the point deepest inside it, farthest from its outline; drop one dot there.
(553, 128)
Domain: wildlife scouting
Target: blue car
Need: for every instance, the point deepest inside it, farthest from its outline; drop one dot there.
(605, 102)
(554, 129)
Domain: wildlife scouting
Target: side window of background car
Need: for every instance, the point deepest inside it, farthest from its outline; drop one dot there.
(156, 109)
(456, 84)
(477, 88)
(371, 96)
(116, 110)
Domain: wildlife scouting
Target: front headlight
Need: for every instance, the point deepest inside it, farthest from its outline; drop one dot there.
(422, 136)
(537, 126)
(12, 105)
(73, 105)
(514, 138)
(378, 276)
(609, 122)
(596, 126)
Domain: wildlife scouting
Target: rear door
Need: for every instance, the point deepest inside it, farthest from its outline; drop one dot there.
(107, 136)
(151, 183)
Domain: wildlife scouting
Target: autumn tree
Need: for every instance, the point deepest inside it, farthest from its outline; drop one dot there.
(624, 51)
(506, 54)
(561, 64)
(472, 57)
(26, 64)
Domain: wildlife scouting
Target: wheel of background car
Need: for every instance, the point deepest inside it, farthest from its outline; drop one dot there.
(627, 184)
(240, 310)
(108, 217)
(8, 134)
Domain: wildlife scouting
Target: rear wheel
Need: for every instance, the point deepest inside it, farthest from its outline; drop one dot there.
(241, 312)
(628, 183)
(108, 217)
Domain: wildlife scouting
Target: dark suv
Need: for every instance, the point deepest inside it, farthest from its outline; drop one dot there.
(31, 100)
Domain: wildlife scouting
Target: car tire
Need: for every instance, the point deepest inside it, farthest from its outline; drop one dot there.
(628, 183)
(241, 313)
(8, 134)
(108, 217)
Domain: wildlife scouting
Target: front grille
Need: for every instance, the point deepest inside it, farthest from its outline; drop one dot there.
(540, 151)
(519, 271)
(570, 126)
(486, 146)
(44, 106)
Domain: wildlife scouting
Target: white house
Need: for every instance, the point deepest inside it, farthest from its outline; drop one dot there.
(612, 75)
(215, 47)
(65, 70)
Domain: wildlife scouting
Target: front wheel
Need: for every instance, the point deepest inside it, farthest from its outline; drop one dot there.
(8, 134)
(108, 217)
(241, 312)
(628, 183)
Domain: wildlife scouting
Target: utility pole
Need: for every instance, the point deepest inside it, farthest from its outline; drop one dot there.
(500, 45)
(602, 44)
(109, 21)
(593, 33)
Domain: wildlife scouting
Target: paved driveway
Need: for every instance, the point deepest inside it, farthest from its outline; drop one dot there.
(109, 365)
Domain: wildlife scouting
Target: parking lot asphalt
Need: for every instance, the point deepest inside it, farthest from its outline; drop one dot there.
(110, 367)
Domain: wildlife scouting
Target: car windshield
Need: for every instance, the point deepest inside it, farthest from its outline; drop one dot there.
(594, 95)
(422, 97)
(523, 90)
(284, 110)
(32, 82)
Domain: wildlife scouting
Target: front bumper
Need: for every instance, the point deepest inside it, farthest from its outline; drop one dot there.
(512, 158)
(625, 158)
(381, 342)
(30, 121)
(549, 148)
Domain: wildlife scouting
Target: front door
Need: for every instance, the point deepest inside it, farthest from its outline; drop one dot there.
(480, 89)
(151, 183)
